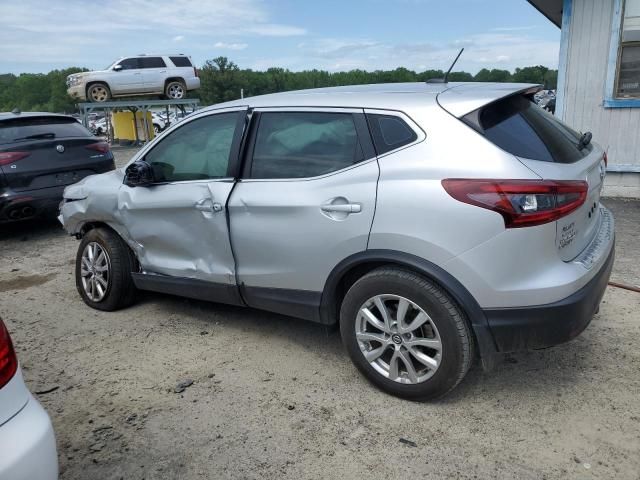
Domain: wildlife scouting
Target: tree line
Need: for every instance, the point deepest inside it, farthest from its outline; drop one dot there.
(222, 80)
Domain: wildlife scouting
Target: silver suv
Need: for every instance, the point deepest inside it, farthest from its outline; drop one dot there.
(168, 75)
(433, 222)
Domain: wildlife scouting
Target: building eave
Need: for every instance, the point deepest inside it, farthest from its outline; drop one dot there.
(552, 9)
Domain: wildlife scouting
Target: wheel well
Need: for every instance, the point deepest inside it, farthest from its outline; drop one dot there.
(350, 277)
(174, 79)
(87, 227)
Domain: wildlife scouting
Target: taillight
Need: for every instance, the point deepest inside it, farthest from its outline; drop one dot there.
(11, 157)
(102, 147)
(606, 159)
(8, 359)
(195, 72)
(522, 203)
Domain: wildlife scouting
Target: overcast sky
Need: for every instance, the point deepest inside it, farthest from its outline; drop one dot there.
(40, 35)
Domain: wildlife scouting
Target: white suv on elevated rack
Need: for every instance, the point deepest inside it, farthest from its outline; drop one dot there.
(169, 75)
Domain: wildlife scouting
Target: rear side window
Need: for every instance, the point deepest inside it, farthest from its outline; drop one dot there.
(35, 128)
(390, 132)
(181, 61)
(152, 62)
(520, 127)
(304, 144)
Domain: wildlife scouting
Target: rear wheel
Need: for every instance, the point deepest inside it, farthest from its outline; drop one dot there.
(175, 90)
(405, 334)
(98, 92)
(103, 271)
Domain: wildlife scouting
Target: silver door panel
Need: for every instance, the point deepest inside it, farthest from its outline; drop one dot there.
(291, 233)
(180, 229)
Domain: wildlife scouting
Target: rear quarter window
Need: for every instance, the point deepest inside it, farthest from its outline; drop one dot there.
(30, 128)
(181, 61)
(390, 132)
(520, 127)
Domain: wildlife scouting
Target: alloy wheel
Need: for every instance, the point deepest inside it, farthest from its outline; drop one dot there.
(176, 91)
(99, 94)
(94, 271)
(398, 339)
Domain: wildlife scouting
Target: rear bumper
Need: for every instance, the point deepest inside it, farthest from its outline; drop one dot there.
(541, 326)
(193, 83)
(28, 445)
(16, 206)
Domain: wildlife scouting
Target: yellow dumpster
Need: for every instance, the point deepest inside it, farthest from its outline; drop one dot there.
(124, 128)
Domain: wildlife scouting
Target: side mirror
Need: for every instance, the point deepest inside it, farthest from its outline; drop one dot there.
(117, 68)
(138, 174)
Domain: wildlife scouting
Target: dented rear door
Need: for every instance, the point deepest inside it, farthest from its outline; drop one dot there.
(179, 224)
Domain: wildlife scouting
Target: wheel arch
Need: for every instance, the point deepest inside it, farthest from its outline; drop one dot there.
(174, 79)
(93, 224)
(348, 271)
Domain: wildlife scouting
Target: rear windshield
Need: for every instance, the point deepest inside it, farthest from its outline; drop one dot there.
(181, 61)
(520, 127)
(34, 128)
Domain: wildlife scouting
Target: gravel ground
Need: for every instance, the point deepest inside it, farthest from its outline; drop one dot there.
(273, 397)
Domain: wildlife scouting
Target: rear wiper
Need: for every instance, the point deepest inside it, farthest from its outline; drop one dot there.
(584, 140)
(36, 136)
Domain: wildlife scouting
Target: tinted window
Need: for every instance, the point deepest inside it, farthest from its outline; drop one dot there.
(520, 127)
(390, 132)
(304, 144)
(16, 129)
(181, 61)
(198, 150)
(129, 63)
(152, 62)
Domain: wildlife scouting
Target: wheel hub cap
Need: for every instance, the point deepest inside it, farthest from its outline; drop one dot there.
(398, 339)
(94, 271)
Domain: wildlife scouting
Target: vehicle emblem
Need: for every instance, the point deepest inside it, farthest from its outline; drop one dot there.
(397, 339)
(60, 148)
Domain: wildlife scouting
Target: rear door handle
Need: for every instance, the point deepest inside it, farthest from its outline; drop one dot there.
(343, 208)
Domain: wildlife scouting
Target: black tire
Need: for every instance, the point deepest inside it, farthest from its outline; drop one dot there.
(120, 290)
(98, 93)
(172, 90)
(454, 332)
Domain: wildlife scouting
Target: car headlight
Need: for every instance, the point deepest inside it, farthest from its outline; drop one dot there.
(73, 81)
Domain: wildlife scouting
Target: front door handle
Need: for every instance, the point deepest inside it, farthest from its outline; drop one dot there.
(206, 205)
(342, 207)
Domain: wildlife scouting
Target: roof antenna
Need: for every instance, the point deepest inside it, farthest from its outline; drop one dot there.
(446, 75)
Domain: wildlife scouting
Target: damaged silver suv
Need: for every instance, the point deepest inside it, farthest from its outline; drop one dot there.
(435, 223)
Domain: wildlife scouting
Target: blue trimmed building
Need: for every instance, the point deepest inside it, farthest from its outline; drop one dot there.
(599, 80)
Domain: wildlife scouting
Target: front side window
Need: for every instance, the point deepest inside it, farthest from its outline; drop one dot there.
(628, 78)
(199, 150)
(129, 64)
(304, 144)
(152, 62)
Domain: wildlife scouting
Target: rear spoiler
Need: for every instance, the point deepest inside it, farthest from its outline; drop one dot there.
(468, 97)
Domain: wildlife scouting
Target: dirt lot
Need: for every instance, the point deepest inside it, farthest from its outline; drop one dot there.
(273, 397)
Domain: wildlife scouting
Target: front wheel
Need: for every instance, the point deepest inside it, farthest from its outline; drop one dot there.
(405, 334)
(98, 93)
(103, 271)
